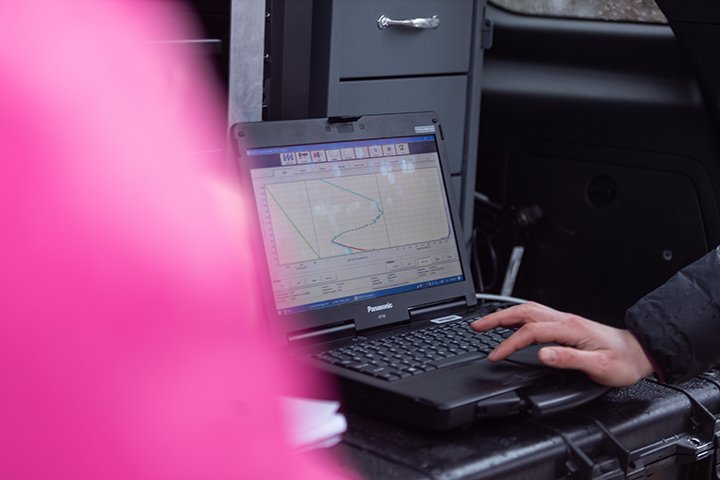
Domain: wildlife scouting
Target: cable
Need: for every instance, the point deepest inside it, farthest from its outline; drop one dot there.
(493, 259)
(481, 197)
(488, 219)
(497, 226)
(475, 262)
(500, 298)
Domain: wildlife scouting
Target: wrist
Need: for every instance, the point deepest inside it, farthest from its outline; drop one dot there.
(642, 359)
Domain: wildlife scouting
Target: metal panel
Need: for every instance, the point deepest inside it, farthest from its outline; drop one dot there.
(287, 88)
(247, 44)
(457, 185)
(444, 95)
(472, 121)
(361, 49)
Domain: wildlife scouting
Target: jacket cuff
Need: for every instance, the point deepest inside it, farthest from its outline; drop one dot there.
(659, 374)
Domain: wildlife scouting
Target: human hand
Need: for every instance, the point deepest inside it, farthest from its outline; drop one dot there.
(609, 356)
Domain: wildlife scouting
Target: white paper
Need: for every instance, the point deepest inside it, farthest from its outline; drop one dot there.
(314, 423)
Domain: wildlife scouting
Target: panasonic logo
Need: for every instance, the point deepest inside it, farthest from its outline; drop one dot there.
(378, 308)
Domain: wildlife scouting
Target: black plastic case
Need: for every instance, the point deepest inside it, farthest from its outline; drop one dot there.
(647, 430)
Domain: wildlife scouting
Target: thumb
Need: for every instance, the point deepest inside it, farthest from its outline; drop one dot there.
(592, 363)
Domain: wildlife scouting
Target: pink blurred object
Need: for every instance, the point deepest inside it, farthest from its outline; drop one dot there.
(129, 346)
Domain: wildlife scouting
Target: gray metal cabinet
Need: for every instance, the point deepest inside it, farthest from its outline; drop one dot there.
(359, 48)
(360, 68)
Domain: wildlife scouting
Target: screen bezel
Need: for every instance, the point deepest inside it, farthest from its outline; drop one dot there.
(255, 135)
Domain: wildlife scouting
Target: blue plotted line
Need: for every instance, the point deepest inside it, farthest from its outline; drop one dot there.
(369, 224)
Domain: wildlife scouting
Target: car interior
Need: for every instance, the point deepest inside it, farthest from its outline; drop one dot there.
(594, 148)
(338, 323)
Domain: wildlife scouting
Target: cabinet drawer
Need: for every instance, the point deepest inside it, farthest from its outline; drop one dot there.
(444, 95)
(361, 49)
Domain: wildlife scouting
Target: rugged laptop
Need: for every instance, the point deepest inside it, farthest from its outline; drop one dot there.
(369, 276)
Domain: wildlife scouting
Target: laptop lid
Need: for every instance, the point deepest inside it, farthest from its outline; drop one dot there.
(358, 224)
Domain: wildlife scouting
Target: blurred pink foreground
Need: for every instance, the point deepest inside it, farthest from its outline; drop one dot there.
(128, 309)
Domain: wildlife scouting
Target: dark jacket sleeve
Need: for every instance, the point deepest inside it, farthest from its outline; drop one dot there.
(679, 323)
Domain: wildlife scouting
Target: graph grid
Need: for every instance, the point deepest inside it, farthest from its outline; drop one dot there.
(323, 218)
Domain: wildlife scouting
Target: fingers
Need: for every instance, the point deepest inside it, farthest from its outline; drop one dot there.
(515, 316)
(608, 355)
(592, 363)
(568, 331)
(598, 365)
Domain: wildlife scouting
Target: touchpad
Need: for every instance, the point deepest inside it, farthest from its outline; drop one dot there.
(527, 356)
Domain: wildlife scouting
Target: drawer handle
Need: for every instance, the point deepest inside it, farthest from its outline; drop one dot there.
(421, 23)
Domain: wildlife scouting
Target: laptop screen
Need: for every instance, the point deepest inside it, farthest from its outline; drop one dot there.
(355, 220)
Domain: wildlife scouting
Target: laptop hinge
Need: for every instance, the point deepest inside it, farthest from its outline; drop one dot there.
(434, 309)
(322, 333)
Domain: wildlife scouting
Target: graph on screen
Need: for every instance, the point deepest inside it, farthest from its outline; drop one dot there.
(322, 218)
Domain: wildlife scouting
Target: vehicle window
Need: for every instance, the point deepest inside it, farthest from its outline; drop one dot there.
(645, 11)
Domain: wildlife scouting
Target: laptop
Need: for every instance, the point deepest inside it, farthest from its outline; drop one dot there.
(368, 274)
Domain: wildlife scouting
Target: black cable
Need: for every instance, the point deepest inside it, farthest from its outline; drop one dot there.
(493, 213)
(475, 259)
(477, 272)
(493, 259)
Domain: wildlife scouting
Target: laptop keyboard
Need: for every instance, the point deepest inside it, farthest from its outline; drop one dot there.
(412, 353)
